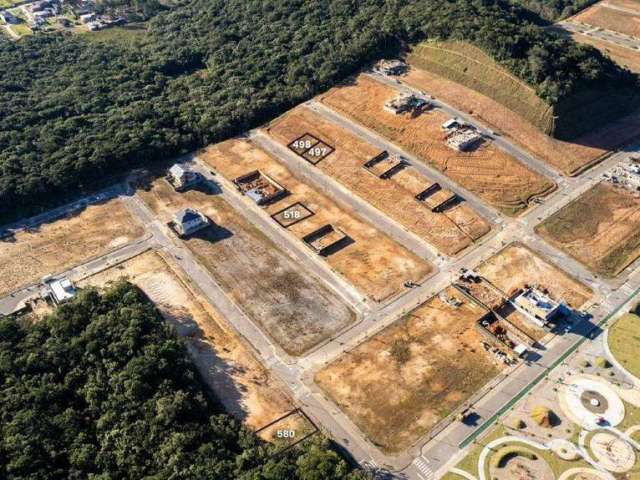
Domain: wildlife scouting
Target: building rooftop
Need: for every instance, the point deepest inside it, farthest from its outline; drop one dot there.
(62, 290)
(187, 215)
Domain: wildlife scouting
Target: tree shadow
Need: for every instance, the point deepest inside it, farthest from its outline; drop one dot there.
(216, 372)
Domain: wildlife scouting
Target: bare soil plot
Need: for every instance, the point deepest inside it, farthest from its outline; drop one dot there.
(288, 430)
(569, 157)
(450, 231)
(376, 265)
(61, 244)
(621, 17)
(398, 384)
(601, 229)
(516, 266)
(487, 171)
(624, 56)
(292, 307)
(240, 382)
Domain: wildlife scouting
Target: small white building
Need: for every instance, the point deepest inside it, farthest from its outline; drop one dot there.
(452, 125)
(87, 18)
(536, 305)
(181, 177)
(189, 221)
(58, 291)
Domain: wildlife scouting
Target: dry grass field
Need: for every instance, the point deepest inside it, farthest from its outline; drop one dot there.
(398, 384)
(516, 266)
(617, 15)
(59, 245)
(568, 157)
(292, 307)
(244, 387)
(621, 55)
(451, 231)
(492, 174)
(601, 229)
(376, 265)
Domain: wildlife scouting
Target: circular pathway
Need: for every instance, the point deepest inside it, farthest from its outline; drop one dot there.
(591, 403)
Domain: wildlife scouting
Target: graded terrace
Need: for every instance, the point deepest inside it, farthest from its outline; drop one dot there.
(290, 305)
(376, 265)
(492, 174)
(394, 187)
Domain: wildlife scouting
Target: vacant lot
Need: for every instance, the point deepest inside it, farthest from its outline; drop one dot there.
(601, 229)
(244, 387)
(450, 232)
(516, 266)
(61, 244)
(624, 338)
(568, 157)
(293, 308)
(397, 385)
(619, 16)
(374, 264)
(487, 171)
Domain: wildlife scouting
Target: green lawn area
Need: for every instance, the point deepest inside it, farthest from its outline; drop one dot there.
(624, 339)
(7, 3)
(21, 29)
(470, 462)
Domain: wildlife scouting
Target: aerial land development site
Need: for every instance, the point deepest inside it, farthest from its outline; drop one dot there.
(420, 263)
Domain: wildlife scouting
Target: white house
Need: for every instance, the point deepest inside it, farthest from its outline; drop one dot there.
(188, 221)
(58, 291)
(181, 177)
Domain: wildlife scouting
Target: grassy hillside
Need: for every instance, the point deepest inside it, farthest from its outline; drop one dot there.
(570, 116)
(471, 67)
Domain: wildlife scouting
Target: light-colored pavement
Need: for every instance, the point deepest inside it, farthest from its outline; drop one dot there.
(609, 36)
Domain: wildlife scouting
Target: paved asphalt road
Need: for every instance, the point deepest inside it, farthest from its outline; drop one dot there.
(605, 35)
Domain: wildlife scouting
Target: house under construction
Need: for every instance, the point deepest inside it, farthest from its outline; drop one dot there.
(406, 103)
(385, 166)
(438, 199)
(260, 188)
(327, 240)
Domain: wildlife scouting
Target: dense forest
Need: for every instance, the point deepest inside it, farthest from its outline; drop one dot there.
(103, 389)
(553, 10)
(76, 110)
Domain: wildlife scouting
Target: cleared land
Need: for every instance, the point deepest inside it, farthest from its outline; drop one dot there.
(376, 265)
(569, 157)
(56, 246)
(244, 387)
(398, 384)
(516, 266)
(616, 15)
(601, 229)
(624, 338)
(293, 308)
(450, 232)
(492, 174)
